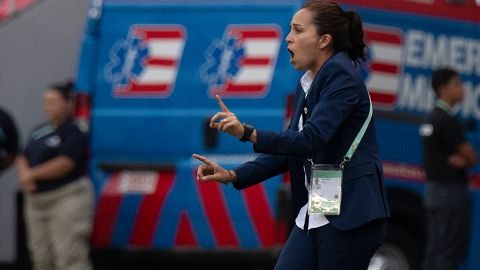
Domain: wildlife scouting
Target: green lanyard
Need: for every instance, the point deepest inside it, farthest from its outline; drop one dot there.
(359, 137)
(443, 105)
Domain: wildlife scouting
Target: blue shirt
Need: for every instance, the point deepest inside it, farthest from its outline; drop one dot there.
(47, 142)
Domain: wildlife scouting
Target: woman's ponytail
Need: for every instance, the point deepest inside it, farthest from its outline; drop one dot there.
(357, 49)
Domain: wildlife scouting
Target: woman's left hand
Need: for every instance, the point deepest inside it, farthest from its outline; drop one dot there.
(228, 123)
(211, 171)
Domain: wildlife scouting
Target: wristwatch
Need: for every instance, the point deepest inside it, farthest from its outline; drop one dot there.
(247, 132)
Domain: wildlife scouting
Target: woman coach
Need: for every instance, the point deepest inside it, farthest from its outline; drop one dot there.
(332, 105)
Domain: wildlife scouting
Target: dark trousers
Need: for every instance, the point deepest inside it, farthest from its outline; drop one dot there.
(327, 248)
(448, 212)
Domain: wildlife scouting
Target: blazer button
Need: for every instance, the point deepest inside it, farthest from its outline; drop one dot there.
(305, 110)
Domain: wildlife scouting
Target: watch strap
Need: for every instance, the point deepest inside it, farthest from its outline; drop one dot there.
(247, 132)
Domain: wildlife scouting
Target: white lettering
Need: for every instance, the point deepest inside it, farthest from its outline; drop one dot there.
(470, 106)
(424, 50)
(415, 48)
(474, 56)
(439, 52)
(458, 54)
(416, 94)
(467, 106)
(474, 101)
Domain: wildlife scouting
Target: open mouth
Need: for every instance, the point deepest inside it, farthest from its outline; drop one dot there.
(291, 53)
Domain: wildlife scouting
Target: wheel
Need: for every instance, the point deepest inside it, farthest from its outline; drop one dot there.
(389, 257)
(399, 252)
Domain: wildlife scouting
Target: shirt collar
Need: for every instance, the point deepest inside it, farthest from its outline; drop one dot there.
(306, 81)
(444, 106)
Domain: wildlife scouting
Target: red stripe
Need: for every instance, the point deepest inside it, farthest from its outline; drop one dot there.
(106, 213)
(161, 62)
(160, 33)
(158, 88)
(185, 235)
(150, 210)
(387, 68)
(240, 90)
(403, 171)
(439, 8)
(413, 172)
(256, 61)
(381, 98)
(255, 33)
(5, 9)
(245, 87)
(373, 35)
(260, 213)
(216, 209)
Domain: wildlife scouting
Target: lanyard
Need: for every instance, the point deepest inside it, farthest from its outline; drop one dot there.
(354, 145)
(359, 137)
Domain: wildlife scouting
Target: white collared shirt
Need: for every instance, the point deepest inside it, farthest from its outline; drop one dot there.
(316, 220)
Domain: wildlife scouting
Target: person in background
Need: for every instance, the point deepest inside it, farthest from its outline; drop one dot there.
(447, 156)
(332, 118)
(58, 196)
(8, 140)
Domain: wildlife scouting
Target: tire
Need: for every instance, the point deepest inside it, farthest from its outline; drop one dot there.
(399, 252)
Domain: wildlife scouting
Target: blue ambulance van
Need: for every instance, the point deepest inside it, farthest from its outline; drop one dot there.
(148, 73)
(147, 77)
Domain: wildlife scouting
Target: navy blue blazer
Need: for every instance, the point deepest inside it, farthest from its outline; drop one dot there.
(338, 105)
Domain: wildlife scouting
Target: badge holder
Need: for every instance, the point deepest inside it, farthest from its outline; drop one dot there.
(325, 194)
(325, 189)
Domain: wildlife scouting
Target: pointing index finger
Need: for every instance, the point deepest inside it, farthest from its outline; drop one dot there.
(202, 159)
(222, 105)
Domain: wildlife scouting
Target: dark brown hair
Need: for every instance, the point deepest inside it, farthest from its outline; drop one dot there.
(442, 77)
(344, 27)
(64, 89)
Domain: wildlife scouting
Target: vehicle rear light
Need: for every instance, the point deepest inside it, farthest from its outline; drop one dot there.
(286, 178)
(82, 106)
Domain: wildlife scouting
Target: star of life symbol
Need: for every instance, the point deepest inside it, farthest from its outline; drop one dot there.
(242, 62)
(146, 62)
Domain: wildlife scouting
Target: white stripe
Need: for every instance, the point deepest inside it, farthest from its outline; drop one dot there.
(382, 82)
(386, 53)
(254, 74)
(265, 48)
(166, 48)
(152, 75)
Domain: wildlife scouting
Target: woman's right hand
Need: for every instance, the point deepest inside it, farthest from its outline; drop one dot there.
(228, 123)
(25, 177)
(211, 171)
(27, 182)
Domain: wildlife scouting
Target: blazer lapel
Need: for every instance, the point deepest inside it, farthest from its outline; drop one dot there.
(298, 108)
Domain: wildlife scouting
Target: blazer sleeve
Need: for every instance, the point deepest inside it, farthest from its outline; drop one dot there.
(262, 168)
(338, 97)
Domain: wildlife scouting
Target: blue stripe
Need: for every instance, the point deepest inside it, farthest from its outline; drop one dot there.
(125, 220)
(240, 218)
(183, 197)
